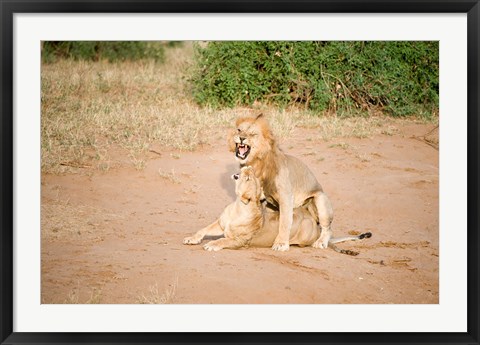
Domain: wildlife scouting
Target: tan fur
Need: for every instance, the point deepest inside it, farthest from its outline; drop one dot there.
(246, 222)
(286, 181)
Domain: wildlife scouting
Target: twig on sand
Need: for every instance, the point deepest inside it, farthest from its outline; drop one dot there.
(427, 141)
(75, 165)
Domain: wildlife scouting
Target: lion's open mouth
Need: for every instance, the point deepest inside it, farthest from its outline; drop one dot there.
(242, 151)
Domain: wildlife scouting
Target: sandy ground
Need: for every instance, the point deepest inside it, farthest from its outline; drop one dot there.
(116, 236)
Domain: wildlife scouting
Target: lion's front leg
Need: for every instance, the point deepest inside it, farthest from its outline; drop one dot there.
(325, 217)
(282, 241)
(213, 229)
(223, 243)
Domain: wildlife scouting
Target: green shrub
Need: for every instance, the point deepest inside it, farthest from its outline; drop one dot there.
(348, 78)
(102, 50)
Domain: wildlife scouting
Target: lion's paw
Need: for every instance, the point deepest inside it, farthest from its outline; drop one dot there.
(192, 240)
(281, 247)
(319, 244)
(322, 242)
(212, 247)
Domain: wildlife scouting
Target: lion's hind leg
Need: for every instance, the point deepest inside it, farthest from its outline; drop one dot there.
(325, 217)
(213, 229)
(306, 234)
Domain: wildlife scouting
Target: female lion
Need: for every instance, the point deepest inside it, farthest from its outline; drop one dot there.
(246, 222)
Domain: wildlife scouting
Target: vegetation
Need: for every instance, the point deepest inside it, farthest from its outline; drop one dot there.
(98, 115)
(102, 50)
(88, 107)
(345, 78)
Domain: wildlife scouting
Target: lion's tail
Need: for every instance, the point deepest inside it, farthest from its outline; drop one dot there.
(334, 240)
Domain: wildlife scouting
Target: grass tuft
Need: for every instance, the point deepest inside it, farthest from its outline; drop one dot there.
(154, 296)
(170, 176)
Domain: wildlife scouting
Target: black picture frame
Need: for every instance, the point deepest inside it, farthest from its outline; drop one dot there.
(9, 7)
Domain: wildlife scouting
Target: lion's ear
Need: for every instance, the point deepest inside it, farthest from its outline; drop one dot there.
(230, 141)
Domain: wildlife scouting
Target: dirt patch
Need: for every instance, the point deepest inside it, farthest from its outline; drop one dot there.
(116, 236)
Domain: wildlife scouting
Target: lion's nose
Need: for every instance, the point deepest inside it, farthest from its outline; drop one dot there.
(242, 139)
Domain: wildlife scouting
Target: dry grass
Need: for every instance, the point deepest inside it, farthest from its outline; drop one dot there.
(99, 115)
(170, 176)
(154, 296)
(90, 107)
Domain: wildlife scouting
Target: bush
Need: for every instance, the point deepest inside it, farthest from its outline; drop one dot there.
(399, 78)
(102, 50)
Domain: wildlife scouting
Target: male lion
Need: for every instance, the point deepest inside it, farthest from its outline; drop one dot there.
(246, 222)
(286, 181)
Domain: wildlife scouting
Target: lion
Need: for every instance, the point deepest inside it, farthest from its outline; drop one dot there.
(287, 182)
(246, 222)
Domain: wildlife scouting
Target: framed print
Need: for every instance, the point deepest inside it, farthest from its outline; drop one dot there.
(129, 127)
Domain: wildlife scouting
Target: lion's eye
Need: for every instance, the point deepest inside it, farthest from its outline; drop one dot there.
(238, 130)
